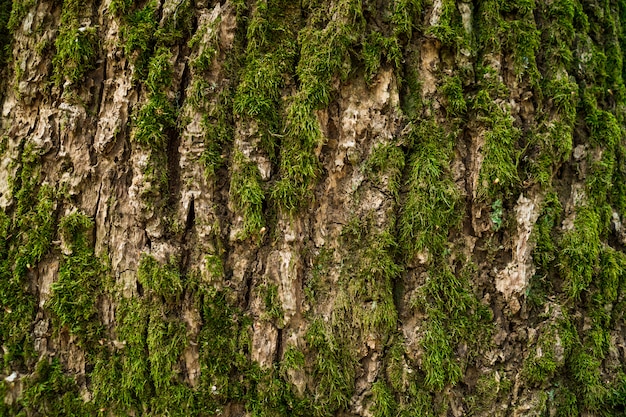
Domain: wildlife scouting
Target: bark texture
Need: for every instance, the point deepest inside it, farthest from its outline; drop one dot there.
(312, 208)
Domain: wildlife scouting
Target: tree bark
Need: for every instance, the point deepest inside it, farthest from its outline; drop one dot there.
(336, 208)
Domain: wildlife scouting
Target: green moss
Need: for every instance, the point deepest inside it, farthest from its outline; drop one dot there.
(159, 71)
(223, 344)
(165, 341)
(217, 124)
(385, 165)
(612, 273)
(293, 358)
(258, 94)
(18, 11)
(541, 365)
(120, 8)
(164, 281)
(314, 286)
(498, 173)
(333, 370)
(377, 50)
(366, 280)
(496, 215)
(586, 374)
(396, 371)
(138, 34)
(545, 251)
(566, 403)
(214, 266)
(145, 376)
(455, 316)
(27, 233)
(489, 387)
(178, 27)
(449, 29)
(153, 121)
(603, 126)
(491, 26)
(558, 36)
(453, 92)
(248, 195)
(51, 392)
(523, 40)
(79, 284)
(38, 228)
(273, 306)
(208, 45)
(158, 115)
(156, 122)
(579, 252)
(324, 55)
(439, 363)
(405, 16)
(134, 382)
(298, 165)
(432, 199)
(76, 52)
(383, 399)
(618, 393)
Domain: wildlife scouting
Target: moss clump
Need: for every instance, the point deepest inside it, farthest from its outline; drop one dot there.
(385, 165)
(455, 316)
(163, 281)
(76, 52)
(153, 122)
(76, 46)
(432, 199)
(218, 127)
(50, 391)
(333, 370)
(383, 399)
(214, 266)
(591, 390)
(489, 387)
(324, 54)
(404, 17)
(378, 49)
(453, 92)
(248, 195)
(165, 341)
(270, 62)
(223, 342)
(367, 279)
(156, 122)
(214, 101)
(26, 233)
(273, 306)
(545, 252)
(143, 35)
(321, 267)
(542, 365)
(138, 31)
(75, 294)
(206, 40)
(580, 250)
(144, 376)
(448, 29)
(498, 176)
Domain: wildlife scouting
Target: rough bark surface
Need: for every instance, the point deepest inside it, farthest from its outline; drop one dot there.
(334, 208)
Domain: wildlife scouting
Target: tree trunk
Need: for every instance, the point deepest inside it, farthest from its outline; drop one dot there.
(313, 208)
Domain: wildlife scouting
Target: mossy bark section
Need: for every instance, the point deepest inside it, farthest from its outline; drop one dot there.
(276, 208)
